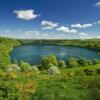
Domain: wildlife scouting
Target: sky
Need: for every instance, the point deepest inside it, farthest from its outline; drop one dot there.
(50, 19)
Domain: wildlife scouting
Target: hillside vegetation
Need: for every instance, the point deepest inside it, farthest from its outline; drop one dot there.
(75, 79)
(6, 45)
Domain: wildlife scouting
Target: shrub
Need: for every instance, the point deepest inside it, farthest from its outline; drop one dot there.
(53, 70)
(89, 72)
(12, 75)
(12, 67)
(24, 66)
(46, 61)
(2, 73)
(89, 62)
(82, 62)
(98, 71)
(79, 73)
(61, 63)
(72, 63)
(71, 74)
(96, 61)
(53, 60)
(35, 69)
(28, 88)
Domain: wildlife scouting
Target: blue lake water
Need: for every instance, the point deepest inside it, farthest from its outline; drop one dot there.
(34, 53)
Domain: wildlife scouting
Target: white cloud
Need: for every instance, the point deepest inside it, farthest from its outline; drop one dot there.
(49, 24)
(83, 34)
(81, 26)
(98, 22)
(98, 37)
(39, 35)
(97, 4)
(26, 14)
(66, 30)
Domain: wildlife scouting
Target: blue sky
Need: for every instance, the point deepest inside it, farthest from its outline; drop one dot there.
(50, 19)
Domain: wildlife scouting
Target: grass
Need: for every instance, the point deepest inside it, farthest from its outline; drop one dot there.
(76, 69)
(30, 86)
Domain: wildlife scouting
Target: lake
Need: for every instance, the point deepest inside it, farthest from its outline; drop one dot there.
(34, 53)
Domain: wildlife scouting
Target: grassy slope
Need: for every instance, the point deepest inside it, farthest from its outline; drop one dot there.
(54, 87)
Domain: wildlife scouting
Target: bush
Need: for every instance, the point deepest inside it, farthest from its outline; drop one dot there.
(53, 60)
(2, 73)
(72, 63)
(24, 66)
(98, 71)
(89, 72)
(12, 67)
(79, 73)
(71, 74)
(35, 69)
(53, 70)
(61, 63)
(12, 75)
(96, 61)
(83, 62)
(89, 62)
(46, 61)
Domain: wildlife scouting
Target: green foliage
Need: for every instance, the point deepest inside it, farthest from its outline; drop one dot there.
(61, 63)
(96, 61)
(88, 72)
(83, 62)
(46, 62)
(6, 45)
(53, 60)
(90, 62)
(15, 61)
(72, 63)
(4, 59)
(24, 66)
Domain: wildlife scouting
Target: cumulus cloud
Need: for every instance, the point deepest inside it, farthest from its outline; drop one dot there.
(66, 29)
(26, 14)
(97, 4)
(49, 24)
(81, 26)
